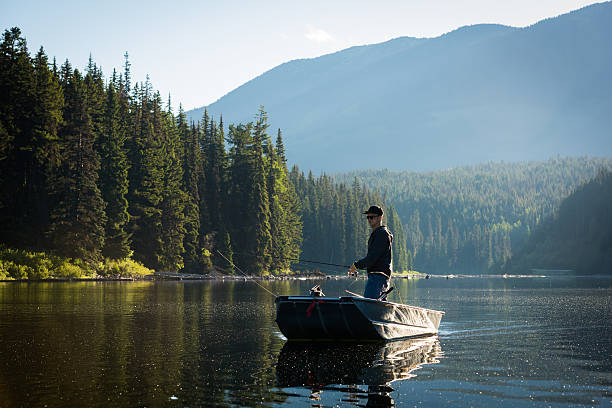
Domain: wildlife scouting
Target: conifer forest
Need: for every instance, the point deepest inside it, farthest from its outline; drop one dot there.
(99, 168)
(477, 219)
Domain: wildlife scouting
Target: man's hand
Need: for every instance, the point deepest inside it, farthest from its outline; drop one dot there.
(352, 270)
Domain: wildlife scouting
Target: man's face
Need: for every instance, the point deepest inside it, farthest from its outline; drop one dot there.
(373, 219)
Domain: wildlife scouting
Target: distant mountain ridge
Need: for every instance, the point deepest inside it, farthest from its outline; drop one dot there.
(479, 93)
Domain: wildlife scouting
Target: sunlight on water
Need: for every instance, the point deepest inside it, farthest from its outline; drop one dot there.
(502, 342)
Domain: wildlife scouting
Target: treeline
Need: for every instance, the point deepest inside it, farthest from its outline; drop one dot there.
(93, 168)
(577, 237)
(96, 169)
(335, 230)
(473, 219)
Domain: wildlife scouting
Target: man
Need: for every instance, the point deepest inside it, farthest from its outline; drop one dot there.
(378, 260)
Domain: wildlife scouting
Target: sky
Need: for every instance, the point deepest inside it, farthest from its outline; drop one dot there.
(198, 51)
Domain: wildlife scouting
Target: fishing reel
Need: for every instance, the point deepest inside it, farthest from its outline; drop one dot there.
(316, 291)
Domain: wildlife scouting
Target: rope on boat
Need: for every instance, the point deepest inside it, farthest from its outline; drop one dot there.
(240, 270)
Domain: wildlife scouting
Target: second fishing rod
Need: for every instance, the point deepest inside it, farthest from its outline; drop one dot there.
(293, 259)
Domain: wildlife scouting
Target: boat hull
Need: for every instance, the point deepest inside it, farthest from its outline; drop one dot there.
(352, 318)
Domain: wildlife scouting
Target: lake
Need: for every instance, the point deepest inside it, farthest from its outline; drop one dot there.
(515, 342)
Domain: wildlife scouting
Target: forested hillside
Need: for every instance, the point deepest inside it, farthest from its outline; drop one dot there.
(472, 219)
(577, 237)
(335, 230)
(95, 169)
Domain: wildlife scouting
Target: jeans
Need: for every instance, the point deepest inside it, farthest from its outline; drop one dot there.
(377, 283)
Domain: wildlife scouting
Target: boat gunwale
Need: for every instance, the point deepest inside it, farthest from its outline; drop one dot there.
(396, 324)
(354, 298)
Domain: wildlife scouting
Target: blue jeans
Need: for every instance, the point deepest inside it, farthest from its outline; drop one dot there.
(377, 283)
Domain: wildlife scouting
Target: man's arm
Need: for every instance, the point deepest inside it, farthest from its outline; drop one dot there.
(380, 243)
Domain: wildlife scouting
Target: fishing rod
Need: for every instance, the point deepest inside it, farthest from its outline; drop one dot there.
(247, 276)
(294, 259)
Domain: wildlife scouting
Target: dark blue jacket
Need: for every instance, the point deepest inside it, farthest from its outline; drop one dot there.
(379, 255)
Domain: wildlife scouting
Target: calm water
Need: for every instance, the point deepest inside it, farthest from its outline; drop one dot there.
(503, 342)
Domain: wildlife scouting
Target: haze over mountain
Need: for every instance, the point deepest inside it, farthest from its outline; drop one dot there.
(479, 93)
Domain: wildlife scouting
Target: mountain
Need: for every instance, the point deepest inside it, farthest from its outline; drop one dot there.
(476, 94)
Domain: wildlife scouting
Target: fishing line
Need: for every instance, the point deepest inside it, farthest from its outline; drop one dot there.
(240, 270)
(352, 283)
(297, 260)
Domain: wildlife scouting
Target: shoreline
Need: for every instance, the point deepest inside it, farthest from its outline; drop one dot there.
(169, 276)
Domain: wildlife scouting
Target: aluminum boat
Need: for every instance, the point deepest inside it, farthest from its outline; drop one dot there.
(352, 318)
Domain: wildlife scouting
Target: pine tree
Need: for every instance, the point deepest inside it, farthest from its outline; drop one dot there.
(280, 148)
(400, 253)
(173, 196)
(78, 218)
(146, 179)
(127, 75)
(215, 170)
(259, 204)
(205, 222)
(285, 219)
(241, 225)
(46, 121)
(191, 168)
(96, 96)
(30, 114)
(274, 174)
(114, 176)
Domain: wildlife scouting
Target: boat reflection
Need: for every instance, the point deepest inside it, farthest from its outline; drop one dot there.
(326, 366)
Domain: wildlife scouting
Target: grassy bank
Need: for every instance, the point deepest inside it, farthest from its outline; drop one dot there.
(21, 264)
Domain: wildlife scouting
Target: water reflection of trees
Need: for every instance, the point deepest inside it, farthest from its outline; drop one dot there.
(137, 344)
(146, 343)
(344, 367)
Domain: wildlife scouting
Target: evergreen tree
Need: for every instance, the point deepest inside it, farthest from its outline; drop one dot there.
(30, 115)
(400, 253)
(173, 196)
(96, 96)
(241, 225)
(114, 176)
(146, 179)
(280, 148)
(259, 204)
(78, 218)
(215, 169)
(192, 166)
(46, 121)
(285, 222)
(205, 222)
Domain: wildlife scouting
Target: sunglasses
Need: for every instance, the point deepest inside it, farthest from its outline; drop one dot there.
(371, 217)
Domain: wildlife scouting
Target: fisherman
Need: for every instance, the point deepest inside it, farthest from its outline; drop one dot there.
(378, 260)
